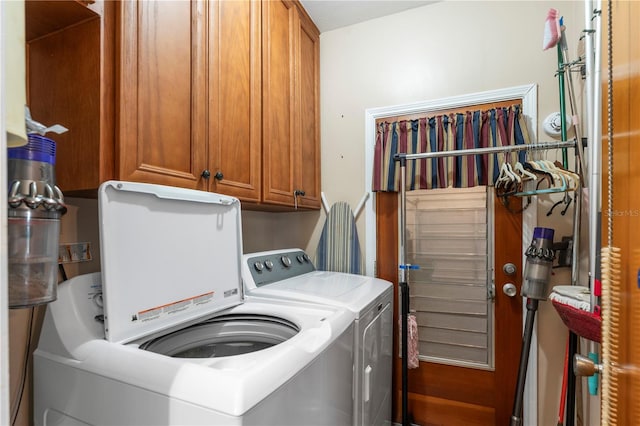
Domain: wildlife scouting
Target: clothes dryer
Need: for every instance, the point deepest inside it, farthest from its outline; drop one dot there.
(165, 336)
(289, 274)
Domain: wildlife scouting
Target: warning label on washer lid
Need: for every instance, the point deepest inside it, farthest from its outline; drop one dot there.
(172, 308)
(231, 292)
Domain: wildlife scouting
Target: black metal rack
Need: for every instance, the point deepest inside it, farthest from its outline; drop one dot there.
(404, 267)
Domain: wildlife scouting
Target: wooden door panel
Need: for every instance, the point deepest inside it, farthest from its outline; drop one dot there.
(308, 164)
(386, 267)
(235, 112)
(508, 310)
(632, 304)
(432, 411)
(279, 153)
(165, 91)
(290, 106)
(626, 205)
(450, 395)
(162, 93)
(427, 380)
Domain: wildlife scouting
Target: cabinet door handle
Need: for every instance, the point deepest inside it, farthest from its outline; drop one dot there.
(206, 174)
(218, 176)
(296, 193)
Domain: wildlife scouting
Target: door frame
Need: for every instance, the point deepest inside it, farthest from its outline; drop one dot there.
(529, 95)
(4, 305)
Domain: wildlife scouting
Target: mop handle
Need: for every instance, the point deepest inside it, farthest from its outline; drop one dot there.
(563, 392)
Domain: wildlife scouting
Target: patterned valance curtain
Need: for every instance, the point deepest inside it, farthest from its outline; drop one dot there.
(472, 129)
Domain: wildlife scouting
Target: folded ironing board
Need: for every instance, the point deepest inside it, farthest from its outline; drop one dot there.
(339, 247)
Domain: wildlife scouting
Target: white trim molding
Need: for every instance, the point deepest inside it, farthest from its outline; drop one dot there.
(4, 299)
(529, 95)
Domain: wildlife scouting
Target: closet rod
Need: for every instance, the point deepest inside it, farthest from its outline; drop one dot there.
(489, 150)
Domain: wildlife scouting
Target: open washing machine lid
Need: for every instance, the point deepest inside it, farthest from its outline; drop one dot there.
(169, 256)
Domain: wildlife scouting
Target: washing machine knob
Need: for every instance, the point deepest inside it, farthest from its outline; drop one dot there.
(268, 264)
(285, 261)
(300, 258)
(258, 266)
(306, 257)
(98, 300)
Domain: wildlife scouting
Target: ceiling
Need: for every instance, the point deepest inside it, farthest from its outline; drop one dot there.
(331, 14)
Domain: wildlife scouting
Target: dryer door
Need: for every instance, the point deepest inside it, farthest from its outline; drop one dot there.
(375, 368)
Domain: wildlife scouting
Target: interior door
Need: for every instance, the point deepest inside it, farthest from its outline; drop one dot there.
(444, 394)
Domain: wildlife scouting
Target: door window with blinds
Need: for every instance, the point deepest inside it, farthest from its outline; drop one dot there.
(449, 236)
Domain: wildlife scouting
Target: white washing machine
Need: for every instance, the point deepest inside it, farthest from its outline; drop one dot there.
(290, 275)
(164, 335)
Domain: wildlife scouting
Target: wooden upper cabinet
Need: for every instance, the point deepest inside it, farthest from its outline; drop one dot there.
(218, 96)
(162, 93)
(235, 98)
(190, 95)
(290, 107)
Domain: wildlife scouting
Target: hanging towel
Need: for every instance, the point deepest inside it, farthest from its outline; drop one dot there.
(413, 360)
(339, 247)
(412, 349)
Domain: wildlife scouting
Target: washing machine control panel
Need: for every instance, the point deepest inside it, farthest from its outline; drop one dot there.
(269, 267)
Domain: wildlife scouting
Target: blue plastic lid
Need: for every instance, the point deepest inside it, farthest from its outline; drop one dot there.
(544, 233)
(39, 148)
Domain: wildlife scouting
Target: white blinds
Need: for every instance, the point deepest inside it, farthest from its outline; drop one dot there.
(447, 236)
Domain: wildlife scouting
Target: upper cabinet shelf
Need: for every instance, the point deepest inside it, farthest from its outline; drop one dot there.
(46, 17)
(70, 81)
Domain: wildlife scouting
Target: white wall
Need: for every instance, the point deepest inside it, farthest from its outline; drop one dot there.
(437, 51)
(269, 231)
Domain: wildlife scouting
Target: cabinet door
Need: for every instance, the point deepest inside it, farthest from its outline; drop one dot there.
(291, 155)
(235, 95)
(308, 77)
(279, 101)
(162, 93)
